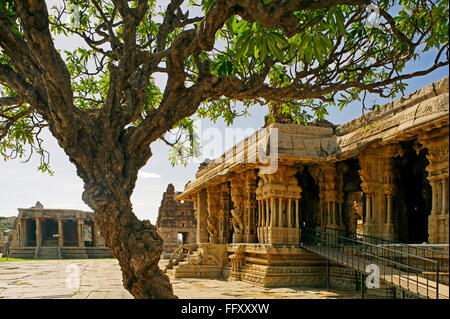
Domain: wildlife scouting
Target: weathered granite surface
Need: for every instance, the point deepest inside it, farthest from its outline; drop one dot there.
(102, 279)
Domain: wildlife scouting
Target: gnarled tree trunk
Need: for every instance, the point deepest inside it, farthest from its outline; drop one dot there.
(109, 173)
(135, 243)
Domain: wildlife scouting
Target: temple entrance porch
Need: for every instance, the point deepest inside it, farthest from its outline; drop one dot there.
(55, 234)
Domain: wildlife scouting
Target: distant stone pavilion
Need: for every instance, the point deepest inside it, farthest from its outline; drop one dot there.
(44, 233)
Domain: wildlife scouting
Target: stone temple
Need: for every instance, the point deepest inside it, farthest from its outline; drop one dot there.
(383, 175)
(176, 222)
(44, 233)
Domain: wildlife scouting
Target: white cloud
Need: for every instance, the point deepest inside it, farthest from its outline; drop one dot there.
(143, 174)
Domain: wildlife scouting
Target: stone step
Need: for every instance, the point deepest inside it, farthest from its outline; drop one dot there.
(48, 253)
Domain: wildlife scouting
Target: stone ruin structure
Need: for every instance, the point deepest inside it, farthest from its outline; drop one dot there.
(387, 177)
(43, 233)
(176, 222)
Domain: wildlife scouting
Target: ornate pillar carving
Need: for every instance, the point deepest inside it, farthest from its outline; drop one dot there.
(378, 185)
(438, 176)
(330, 194)
(289, 213)
(277, 191)
(250, 213)
(273, 213)
(237, 212)
(329, 178)
(213, 200)
(201, 212)
(389, 189)
(224, 216)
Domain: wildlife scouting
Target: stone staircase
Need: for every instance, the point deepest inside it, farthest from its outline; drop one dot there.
(179, 256)
(47, 253)
(198, 261)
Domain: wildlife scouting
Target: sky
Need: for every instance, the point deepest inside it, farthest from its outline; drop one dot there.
(22, 185)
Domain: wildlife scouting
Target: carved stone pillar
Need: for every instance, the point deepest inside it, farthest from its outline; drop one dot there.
(259, 223)
(438, 176)
(225, 211)
(378, 184)
(389, 190)
(278, 190)
(60, 233)
(273, 212)
(237, 212)
(213, 200)
(321, 215)
(80, 234)
(21, 223)
(38, 231)
(250, 206)
(289, 213)
(330, 194)
(201, 211)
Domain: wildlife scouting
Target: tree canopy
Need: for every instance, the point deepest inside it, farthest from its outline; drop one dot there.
(104, 105)
(299, 56)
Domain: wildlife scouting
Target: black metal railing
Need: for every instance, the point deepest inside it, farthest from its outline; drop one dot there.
(408, 252)
(397, 266)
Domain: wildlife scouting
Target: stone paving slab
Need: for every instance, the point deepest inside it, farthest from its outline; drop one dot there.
(102, 279)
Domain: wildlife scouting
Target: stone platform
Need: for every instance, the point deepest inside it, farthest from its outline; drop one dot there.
(263, 265)
(66, 252)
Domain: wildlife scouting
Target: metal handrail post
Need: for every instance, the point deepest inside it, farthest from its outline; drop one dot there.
(437, 280)
(328, 275)
(407, 275)
(362, 285)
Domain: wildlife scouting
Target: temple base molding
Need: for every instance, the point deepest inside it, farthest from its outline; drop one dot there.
(264, 265)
